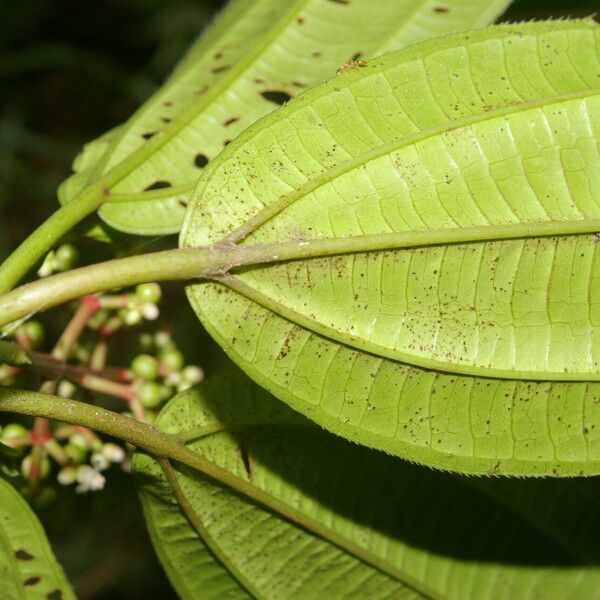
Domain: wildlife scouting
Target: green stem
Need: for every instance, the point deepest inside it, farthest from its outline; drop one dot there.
(165, 446)
(210, 262)
(32, 250)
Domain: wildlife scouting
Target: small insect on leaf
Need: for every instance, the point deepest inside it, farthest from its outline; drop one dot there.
(351, 64)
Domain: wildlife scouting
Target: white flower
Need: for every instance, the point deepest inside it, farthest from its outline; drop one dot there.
(99, 461)
(113, 453)
(67, 475)
(150, 311)
(89, 479)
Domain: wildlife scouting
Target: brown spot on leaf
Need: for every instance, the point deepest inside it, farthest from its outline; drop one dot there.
(221, 68)
(231, 121)
(441, 9)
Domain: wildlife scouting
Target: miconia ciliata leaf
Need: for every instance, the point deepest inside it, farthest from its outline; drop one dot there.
(28, 568)
(419, 533)
(258, 54)
(458, 324)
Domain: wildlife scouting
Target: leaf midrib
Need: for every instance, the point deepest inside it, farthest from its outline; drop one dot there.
(270, 211)
(369, 557)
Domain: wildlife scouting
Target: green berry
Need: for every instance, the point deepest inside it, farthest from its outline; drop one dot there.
(166, 392)
(34, 332)
(131, 316)
(192, 374)
(150, 416)
(147, 342)
(79, 440)
(11, 432)
(150, 395)
(145, 366)
(163, 340)
(148, 293)
(172, 360)
(99, 319)
(76, 453)
(67, 475)
(65, 257)
(27, 464)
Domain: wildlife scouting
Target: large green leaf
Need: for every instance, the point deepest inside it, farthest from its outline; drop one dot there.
(419, 533)
(258, 54)
(28, 568)
(475, 347)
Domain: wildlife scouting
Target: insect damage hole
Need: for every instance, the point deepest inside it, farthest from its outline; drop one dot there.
(158, 185)
(441, 9)
(201, 160)
(22, 554)
(276, 96)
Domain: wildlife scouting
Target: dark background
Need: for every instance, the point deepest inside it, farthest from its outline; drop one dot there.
(70, 70)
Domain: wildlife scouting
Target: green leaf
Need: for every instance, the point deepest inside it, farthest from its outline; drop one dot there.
(459, 180)
(418, 533)
(257, 55)
(28, 568)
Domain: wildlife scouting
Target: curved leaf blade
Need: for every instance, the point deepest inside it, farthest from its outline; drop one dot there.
(28, 568)
(239, 71)
(434, 530)
(479, 356)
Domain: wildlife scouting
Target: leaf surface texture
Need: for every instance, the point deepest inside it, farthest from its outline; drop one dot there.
(420, 533)
(257, 55)
(458, 324)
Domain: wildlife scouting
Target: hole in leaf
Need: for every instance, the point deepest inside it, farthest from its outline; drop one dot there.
(158, 185)
(226, 143)
(32, 581)
(148, 135)
(276, 96)
(201, 160)
(55, 595)
(230, 121)
(182, 203)
(22, 554)
(246, 459)
(221, 68)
